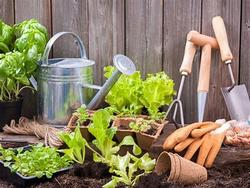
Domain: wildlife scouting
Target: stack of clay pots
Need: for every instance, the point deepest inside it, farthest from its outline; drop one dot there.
(179, 169)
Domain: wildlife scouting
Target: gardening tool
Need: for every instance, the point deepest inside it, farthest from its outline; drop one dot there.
(66, 83)
(204, 76)
(236, 96)
(185, 70)
(206, 43)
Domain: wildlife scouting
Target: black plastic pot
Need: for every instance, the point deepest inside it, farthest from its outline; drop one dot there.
(9, 110)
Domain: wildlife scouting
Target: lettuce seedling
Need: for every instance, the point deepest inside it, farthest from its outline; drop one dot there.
(38, 161)
(128, 169)
(103, 137)
(141, 125)
(82, 114)
(76, 145)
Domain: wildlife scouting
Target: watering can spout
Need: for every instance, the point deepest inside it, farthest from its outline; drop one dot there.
(124, 65)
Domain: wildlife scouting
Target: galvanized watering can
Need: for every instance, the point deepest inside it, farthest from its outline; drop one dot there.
(65, 83)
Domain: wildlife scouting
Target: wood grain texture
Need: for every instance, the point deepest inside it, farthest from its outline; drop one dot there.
(144, 34)
(180, 17)
(70, 15)
(245, 48)
(7, 11)
(38, 9)
(106, 23)
(229, 10)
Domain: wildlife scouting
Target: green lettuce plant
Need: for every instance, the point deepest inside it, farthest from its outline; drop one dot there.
(21, 47)
(82, 114)
(123, 98)
(130, 95)
(126, 169)
(141, 125)
(39, 161)
(157, 91)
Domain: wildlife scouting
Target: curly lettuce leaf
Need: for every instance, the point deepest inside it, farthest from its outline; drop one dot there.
(157, 91)
(124, 95)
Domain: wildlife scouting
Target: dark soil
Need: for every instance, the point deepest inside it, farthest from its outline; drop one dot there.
(228, 176)
(94, 175)
(13, 145)
(152, 131)
(124, 127)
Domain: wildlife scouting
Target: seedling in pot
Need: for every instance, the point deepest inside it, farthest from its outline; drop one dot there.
(126, 169)
(130, 95)
(81, 117)
(141, 125)
(39, 161)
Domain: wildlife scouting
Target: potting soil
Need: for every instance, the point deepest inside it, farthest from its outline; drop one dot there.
(94, 175)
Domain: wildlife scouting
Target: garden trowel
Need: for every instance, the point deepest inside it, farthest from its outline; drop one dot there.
(204, 76)
(236, 96)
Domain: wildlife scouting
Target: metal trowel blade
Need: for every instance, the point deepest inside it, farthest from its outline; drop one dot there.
(237, 101)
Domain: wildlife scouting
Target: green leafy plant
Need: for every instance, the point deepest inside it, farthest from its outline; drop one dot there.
(104, 138)
(131, 94)
(39, 161)
(21, 46)
(123, 98)
(157, 90)
(76, 145)
(127, 169)
(141, 125)
(82, 114)
(6, 37)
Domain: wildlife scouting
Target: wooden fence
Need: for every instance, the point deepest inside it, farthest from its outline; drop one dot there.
(151, 32)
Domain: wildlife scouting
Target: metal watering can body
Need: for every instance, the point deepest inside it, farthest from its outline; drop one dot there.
(64, 84)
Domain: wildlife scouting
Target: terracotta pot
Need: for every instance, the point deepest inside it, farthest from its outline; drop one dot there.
(123, 122)
(179, 169)
(145, 141)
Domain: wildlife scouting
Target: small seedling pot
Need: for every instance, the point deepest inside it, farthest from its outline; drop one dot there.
(145, 140)
(179, 169)
(83, 127)
(123, 128)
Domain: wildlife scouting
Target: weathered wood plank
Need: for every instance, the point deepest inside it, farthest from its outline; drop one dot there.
(7, 11)
(244, 48)
(106, 33)
(180, 17)
(19, 138)
(38, 9)
(230, 12)
(144, 34)
(70, 15)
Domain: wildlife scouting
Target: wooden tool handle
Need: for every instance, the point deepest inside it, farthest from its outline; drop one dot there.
(221, 36)
(201, 40)
(186, 66)
(204, 75)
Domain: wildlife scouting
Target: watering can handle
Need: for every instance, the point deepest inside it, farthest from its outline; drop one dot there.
(54, 38)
